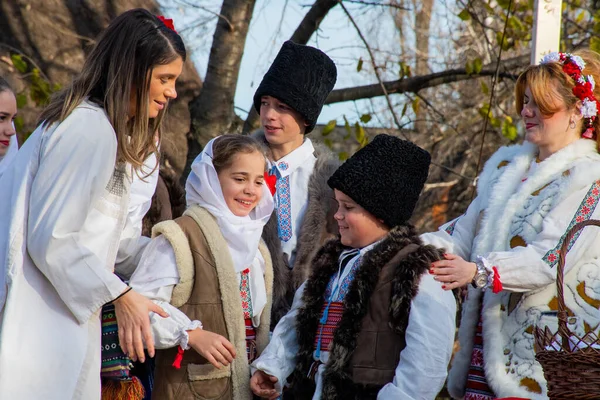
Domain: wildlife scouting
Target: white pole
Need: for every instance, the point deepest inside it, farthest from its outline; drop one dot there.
(546, 28)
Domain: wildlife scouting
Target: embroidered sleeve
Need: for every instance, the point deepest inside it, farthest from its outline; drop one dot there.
(533, 265)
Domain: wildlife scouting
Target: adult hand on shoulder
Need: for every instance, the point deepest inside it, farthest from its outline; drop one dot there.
(453, 271)
(212, 346)
(132, 311)
(263, 385)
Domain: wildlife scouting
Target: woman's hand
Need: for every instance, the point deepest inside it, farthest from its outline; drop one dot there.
(453, 272)
(263, 385)
(212, 346)
(132, 311)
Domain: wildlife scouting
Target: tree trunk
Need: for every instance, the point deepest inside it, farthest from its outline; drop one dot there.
(422, 22)
(309, 24)
(212, 111)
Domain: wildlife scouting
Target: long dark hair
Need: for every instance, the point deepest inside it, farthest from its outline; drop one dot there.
(119, 66)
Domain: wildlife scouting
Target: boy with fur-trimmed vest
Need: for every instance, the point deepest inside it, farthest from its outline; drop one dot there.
(370, 322)
(289, 100)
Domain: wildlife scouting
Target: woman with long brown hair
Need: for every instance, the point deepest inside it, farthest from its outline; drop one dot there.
(69, 195)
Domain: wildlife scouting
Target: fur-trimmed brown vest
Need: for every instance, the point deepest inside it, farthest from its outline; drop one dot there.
(318, 226)
(370, 336)
(208, 291)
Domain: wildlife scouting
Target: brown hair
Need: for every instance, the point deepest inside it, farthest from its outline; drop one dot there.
(227, 146)
(119, 65)
(552, 88)
(4, 86)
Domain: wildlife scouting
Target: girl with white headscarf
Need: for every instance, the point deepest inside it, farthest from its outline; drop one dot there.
(212, 273)
(8, 137)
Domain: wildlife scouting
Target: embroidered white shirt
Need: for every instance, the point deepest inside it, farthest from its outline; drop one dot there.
(299, 166)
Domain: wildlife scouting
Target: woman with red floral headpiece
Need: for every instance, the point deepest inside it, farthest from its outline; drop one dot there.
(505, 247)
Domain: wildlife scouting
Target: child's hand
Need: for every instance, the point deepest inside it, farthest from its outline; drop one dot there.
(212, 346)
(263, 385)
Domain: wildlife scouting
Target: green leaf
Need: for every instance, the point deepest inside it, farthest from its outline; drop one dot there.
(365, 118)
(343, 156)
(328, 142)
(415, 105)
(360, 65)
(580, 17)
(469, 67)
(327, 129)
(18, 63)
(19, 123)
(485, 110)
(464, 15)
(359, 132)
(595, 44)
(404, 110)
(509, 130)
(477, 65)
(21, 100)
(503, 3)
(347, 126)
(484, 88)
(495, 122)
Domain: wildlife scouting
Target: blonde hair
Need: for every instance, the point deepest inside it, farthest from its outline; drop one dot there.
(120, 65)
(552, 88)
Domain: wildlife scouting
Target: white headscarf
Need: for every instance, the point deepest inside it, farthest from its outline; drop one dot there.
(11, 154)
(242, 234)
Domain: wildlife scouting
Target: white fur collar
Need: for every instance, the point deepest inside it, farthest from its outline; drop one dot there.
(508, 193)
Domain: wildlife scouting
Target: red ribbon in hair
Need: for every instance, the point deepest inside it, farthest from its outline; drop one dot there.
(168, 22)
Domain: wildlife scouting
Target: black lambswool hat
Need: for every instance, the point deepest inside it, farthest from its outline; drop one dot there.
(385, 178)
(301, 77)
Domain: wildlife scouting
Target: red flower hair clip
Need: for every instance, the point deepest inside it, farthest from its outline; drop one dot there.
(168, 22)
(573, 66)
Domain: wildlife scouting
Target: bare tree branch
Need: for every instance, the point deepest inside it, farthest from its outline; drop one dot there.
(375, 69)
(377, 3)
(412, 85)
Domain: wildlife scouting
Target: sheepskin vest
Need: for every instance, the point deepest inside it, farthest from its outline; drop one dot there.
(370, 336)
(208, 291)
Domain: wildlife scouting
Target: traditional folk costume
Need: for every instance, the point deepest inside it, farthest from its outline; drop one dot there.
(69, 221)
(517, 223)
(10, 155)
(369, 322)
(208, 269)
(302, 77)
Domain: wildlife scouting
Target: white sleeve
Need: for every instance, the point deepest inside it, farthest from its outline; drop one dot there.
(456, 236)
(76, 166)
(155, 278)
(534, 266)
(423, 365)
(279, 357)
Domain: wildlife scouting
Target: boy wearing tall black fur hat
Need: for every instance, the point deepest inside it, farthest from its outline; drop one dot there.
(289, 100)
(370, 322)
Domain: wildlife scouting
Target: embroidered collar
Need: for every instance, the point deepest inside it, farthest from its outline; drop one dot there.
(288, 164)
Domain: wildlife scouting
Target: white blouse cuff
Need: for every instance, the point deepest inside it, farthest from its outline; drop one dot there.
(184, 335)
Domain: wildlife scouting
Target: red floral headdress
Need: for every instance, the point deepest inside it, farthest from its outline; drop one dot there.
(168, 22)
(584, 87)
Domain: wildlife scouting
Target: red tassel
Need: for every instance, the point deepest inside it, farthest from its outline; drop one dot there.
(178, 358)
(496, 284)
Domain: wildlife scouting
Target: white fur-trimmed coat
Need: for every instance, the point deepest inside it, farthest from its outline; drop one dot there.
(518, 222)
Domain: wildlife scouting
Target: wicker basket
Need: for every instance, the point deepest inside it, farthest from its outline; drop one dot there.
(571, 374)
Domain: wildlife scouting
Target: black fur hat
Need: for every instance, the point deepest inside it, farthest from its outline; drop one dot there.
(385, 178)
(301, 77)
